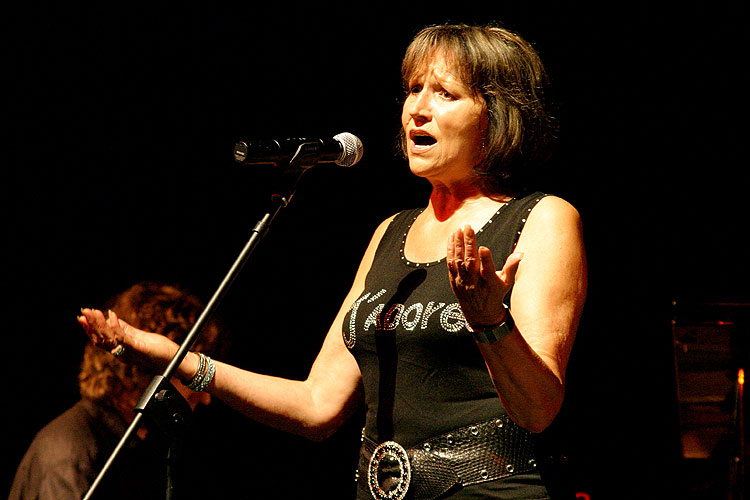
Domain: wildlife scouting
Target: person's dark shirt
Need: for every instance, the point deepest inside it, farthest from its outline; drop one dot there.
(68, 453)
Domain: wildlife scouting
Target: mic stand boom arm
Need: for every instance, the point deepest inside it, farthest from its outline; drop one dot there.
(161, 401)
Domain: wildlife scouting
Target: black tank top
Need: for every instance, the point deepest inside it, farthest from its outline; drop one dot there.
(422, 373)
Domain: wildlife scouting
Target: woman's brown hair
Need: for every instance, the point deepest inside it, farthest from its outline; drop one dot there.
(506, 72)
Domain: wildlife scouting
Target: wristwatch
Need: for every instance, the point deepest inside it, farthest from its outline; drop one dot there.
(494, 333)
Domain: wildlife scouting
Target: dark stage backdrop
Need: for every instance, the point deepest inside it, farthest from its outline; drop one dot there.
(123, 118)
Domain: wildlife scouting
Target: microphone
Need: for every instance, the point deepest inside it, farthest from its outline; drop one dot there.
(344, 149)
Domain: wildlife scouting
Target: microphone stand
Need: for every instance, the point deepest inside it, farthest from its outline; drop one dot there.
(161, 401)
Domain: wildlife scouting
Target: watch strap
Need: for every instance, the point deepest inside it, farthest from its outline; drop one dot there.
(495, 333)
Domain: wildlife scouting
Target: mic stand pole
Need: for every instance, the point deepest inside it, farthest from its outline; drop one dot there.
(161, 401)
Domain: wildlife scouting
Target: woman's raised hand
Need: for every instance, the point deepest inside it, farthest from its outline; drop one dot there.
(479, 288)
(132, 345)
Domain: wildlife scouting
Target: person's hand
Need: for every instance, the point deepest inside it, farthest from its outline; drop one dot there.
(128, 343)
(479, 288)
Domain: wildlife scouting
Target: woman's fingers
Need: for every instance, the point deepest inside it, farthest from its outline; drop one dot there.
(454, 255)
(94, 328)
(117, 326)
(110, 333)
(87, 328)
(450, 254)
(456, 248)
(486, 263)
(478, 286)
(471, 252)
(98, 328)
(462, 256)
(508, 273)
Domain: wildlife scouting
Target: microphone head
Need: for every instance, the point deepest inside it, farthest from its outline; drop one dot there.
(352, 149)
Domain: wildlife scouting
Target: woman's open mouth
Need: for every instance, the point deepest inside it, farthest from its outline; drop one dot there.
(421, 141)
(424, 140)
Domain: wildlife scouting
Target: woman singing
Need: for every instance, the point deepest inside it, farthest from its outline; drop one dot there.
(461, 318)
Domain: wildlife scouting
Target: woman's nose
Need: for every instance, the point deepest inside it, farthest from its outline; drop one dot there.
(419, 107)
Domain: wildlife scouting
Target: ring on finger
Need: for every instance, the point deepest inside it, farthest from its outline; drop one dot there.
(118, 351)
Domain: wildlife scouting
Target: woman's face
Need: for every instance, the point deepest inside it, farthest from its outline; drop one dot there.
(444, 124)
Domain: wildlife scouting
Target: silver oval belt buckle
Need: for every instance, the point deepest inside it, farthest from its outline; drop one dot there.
(389, 472)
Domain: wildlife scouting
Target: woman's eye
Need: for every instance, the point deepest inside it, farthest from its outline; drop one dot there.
(415, 89)
(447, 95)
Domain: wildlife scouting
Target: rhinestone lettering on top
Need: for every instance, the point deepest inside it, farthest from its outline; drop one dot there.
(452, 318)
(411, 324)
(449, 317)
(410, 317)
(429, 309)
(351, 338)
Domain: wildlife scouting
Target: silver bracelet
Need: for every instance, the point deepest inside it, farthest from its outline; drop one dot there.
(494, 333)
(200, 373)
(209, 376)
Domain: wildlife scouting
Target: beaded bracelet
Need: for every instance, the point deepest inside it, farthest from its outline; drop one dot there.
(209, 376)
(197, 379)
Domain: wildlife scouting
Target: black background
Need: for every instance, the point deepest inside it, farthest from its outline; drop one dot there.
(122, 121)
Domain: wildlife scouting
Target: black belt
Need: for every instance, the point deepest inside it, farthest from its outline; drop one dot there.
(468, 455)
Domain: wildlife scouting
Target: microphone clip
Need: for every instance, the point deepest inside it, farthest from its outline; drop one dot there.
(306, 156)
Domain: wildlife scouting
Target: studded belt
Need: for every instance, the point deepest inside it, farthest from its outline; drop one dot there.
(468, 455)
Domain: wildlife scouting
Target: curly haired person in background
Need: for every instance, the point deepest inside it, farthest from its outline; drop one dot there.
(67, 454)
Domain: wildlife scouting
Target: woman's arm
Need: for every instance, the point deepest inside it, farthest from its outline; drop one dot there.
(314, 408)
(549, 279)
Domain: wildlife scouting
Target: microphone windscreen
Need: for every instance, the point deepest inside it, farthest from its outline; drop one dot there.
(352, 149)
